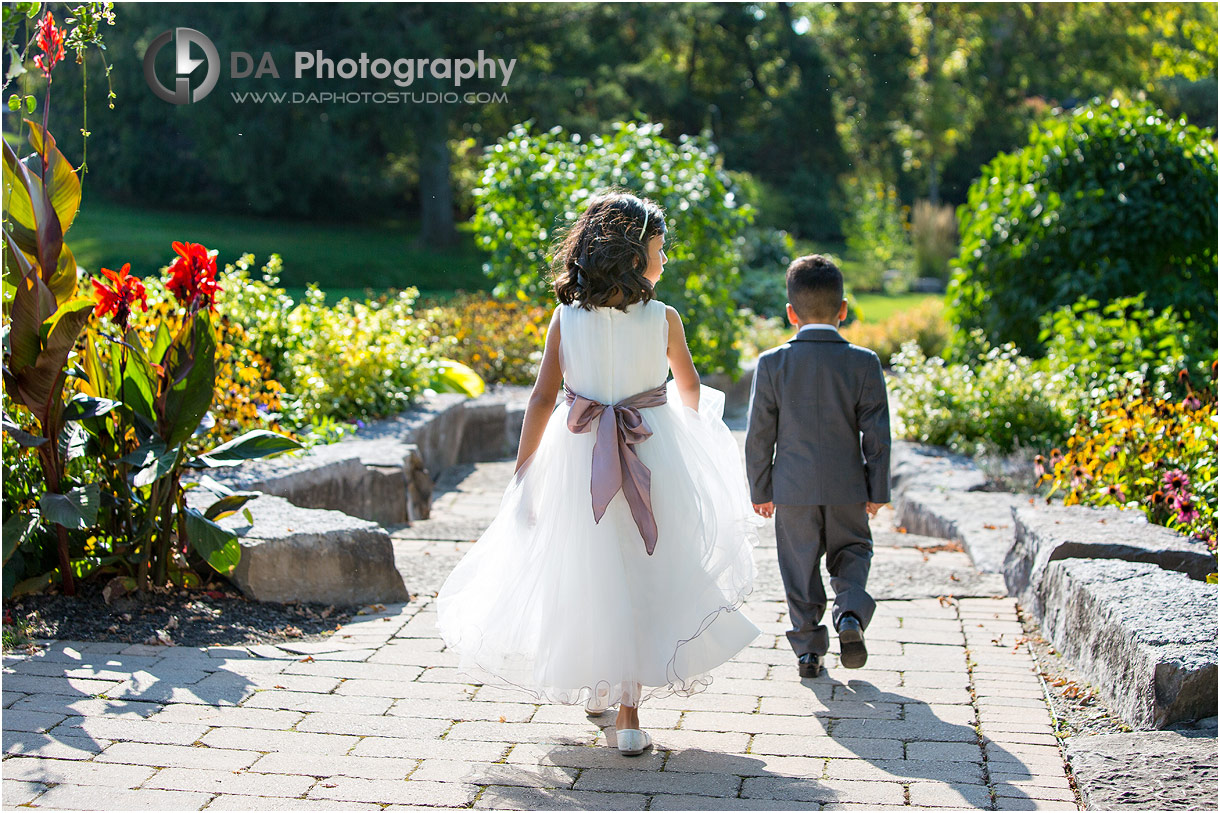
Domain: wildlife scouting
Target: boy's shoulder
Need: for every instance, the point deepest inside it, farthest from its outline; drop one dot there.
(861, 355)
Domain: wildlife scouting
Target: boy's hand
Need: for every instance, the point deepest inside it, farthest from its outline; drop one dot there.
(873, 507)
(764, 509)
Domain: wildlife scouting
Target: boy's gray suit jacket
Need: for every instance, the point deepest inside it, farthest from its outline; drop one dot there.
(819, 403)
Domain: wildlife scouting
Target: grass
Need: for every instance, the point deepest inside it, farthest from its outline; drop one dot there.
(880, 307)
(342, 259)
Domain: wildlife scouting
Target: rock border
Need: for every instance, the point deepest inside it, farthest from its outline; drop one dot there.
(939, 493)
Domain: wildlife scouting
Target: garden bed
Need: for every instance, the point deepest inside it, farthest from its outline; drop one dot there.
(219, 615)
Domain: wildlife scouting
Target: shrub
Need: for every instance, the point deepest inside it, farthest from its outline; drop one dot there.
(997, 405)
(933, 239)
(536, 183)
(500, 340)
(874, 228)
(1145, 453)
(357, 360)
(1104, 202)
(762, 333)
(349, 361)
(923, 324)
(1100, 348)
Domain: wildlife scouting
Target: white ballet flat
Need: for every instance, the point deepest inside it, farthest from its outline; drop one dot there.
(592, 708)
(632, 741)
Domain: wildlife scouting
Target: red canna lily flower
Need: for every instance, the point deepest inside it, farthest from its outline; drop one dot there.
(117, 300)
(193, 276)
(51, 41)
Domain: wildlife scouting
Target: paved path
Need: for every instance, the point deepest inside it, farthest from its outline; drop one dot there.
(948, 714)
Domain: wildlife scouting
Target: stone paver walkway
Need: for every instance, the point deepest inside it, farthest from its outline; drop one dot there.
(948, 713)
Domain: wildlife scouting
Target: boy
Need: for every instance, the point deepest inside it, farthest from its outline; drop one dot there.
(818, 460)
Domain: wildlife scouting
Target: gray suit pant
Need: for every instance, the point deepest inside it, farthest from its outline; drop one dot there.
(803, 533)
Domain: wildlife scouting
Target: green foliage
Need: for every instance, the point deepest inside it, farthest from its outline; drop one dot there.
(933, 239)
(1104, 202)
(535, 184)
(875, 229)
(1000, 403)
(355, 359)
(1101, 348)
(765, 257)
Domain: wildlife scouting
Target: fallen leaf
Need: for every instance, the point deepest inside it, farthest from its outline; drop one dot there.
(306, 659)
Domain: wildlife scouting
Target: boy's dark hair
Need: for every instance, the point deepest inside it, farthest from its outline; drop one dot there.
(815, 288)
(605, 252)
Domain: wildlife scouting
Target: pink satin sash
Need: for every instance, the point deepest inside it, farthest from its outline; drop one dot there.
(616, 464)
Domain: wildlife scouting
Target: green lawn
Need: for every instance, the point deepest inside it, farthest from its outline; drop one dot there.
(343, 259)
(879, 307)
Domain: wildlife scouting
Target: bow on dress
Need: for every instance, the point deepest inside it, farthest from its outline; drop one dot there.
(616, 464)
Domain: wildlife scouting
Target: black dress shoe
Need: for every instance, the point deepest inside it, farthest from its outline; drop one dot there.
(809, 665)
(852, 653)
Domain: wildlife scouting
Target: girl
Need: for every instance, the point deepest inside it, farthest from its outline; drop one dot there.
(623, 548)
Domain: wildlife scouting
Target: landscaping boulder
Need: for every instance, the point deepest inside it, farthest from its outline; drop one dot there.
(1046, 533)
(291, 553)
(1143, 635)
(1146, 770)
(980, 520)
(363, 478)
(917, 465)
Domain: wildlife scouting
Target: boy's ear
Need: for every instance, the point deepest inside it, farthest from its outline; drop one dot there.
(843, 310)
(792, 320)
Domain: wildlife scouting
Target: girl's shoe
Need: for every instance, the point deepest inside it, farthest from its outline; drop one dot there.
(595, 707)
(632, 741)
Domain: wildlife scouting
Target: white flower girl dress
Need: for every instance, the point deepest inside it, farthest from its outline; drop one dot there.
(570, 609)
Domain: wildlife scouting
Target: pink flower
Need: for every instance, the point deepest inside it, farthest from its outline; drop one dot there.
(1185, 507)
(1176, 482)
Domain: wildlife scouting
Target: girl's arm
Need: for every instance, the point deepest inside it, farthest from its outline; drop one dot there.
(542, 397)
(685, 375)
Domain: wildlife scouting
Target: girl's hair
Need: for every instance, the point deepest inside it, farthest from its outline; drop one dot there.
(605, 252)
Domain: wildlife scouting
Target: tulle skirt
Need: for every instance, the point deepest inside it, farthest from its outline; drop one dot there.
(568, 610)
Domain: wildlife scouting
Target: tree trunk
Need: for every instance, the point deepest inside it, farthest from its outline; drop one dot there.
(435, 184)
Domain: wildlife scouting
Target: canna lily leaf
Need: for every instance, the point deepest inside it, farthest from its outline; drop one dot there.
(17, 529)
(228, 505)
(63, 184)
(250, 446)
(87, 406)
(219, 547)
(453, 376)
(188, 385)
(75, 510)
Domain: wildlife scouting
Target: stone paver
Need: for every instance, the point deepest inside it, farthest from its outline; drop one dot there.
(948, 713)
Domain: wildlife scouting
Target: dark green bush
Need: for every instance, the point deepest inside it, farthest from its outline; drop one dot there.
(1099, 348)
(1104, 202)
(534, 184)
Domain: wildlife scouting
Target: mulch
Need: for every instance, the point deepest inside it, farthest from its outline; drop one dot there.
(218, 615)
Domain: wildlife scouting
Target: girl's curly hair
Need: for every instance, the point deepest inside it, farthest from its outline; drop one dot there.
(604, 253)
